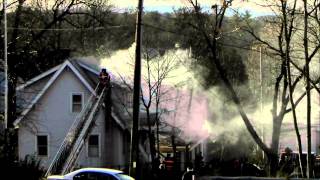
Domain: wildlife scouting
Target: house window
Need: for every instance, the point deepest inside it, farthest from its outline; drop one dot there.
(126, 98)
(42, 145)
(76, 102)
(93, 146)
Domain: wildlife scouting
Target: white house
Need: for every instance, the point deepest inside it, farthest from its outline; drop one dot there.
(53, 100)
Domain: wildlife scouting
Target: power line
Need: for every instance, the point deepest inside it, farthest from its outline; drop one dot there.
(66, 29)
(144, 24)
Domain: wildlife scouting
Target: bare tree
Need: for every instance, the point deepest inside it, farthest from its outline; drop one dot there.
(26, 43)
(211, 40)
(156, 70)
(285, 26)
(308, 36)
(288, 31)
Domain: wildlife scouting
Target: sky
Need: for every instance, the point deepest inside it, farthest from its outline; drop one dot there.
(253, 6)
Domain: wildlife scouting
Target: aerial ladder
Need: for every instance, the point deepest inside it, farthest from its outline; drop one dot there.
(69, 150)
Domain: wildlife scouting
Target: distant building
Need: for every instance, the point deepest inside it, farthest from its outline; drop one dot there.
(288, 136)
(184, 114)
(289, 139)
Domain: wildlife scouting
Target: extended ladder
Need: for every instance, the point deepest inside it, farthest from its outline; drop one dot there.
(72, 144)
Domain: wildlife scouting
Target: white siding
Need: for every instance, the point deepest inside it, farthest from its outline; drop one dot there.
(52, 116)
(84, 160)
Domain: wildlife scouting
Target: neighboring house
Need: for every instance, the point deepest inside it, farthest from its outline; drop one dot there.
(52, 101)
(288, 137)
(184, 113)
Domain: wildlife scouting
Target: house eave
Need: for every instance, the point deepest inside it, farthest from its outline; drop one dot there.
(37, 78)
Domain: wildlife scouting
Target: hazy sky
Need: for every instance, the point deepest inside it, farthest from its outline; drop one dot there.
(168, 5)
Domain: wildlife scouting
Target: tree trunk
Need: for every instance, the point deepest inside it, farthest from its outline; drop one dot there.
(174, 149)
(295, 120)
(158, 137)
(273, 161)
(13, 58)
(10, 146)
(287, 58)
(151, 138)
(288, 29)
(158, 120)
(273, 156)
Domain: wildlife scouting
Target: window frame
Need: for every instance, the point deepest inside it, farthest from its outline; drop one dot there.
(37, 144)
(71, 101)
(99, 146)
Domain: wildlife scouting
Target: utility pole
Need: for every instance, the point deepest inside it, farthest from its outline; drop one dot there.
(261, 98)
(307, 75)
(261, 88)
(134, 153)
(6, 91)
(5, 64)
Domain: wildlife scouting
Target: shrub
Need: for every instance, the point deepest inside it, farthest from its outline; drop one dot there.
(28, 168)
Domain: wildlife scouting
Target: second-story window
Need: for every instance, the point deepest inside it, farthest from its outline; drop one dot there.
(76, 100)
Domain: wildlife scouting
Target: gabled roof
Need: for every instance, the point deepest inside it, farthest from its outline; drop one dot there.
(56, 72)
(82, 73)
(35, 79)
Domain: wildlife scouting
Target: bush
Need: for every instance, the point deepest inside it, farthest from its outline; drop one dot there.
(28, 168)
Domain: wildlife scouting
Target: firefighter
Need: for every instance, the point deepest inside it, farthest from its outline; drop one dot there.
(104, 79)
